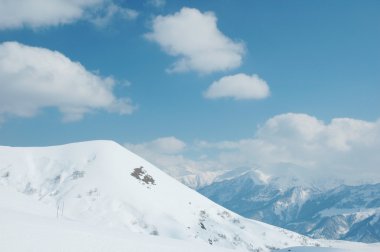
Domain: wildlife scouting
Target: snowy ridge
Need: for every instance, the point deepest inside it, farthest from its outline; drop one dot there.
(199, 179)
(93, 186)
(97, 183)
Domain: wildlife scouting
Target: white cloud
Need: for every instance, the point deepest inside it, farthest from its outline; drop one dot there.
(344, 149)
(33, 78)
(168, 153)
(194, 38)
(166, 145)
(42, 13)
(108, 12)
(239, 86)
(39, 13)
(164, 152)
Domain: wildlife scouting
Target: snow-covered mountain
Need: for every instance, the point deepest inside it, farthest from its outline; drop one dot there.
(95, 196)
(101, 183)
(29, 225)
(342, 212)
(198, 180)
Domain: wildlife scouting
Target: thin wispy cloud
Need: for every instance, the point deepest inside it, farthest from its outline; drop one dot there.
(163, 145)
(102, 16)
(157, 3)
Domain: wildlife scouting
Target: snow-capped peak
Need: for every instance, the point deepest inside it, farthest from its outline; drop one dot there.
(102, 183)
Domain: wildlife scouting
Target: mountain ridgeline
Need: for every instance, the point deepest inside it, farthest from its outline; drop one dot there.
(101, 183)
(344, 212)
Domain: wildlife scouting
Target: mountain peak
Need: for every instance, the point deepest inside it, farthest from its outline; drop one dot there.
(101, 182)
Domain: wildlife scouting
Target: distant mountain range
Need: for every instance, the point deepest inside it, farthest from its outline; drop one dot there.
(329, 212)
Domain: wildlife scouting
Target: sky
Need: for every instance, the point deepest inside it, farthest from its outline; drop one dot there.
(197, 85)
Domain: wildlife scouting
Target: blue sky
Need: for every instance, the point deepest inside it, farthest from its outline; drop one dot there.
(302, 64)
(318, 57)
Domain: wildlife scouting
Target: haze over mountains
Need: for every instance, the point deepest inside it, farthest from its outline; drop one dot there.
(319, 178)
(320, 209)
(101, 184)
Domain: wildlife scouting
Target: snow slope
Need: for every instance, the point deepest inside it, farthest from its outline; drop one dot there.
(27, 225)
(103, 185)
(367, 248)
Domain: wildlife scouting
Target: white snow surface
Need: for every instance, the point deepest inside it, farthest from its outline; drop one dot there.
(27, 225)
(101, 205)
(199, 179)
(364, 248)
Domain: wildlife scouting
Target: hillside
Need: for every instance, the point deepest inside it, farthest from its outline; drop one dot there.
(84, 189)
(101, 183)
(29, 225)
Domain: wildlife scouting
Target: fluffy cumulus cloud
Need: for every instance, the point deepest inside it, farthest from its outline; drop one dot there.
(33, 78)
(194, 38)
(239, 87)
(42, 13)
(343, 149)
